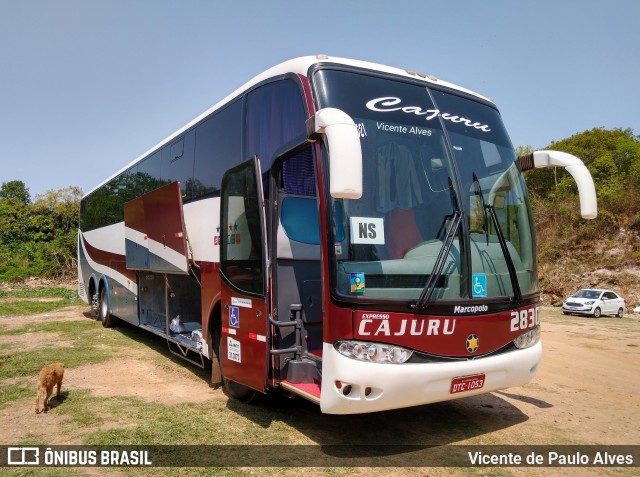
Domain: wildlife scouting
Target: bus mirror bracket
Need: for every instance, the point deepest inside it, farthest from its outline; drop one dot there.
(575, 167)
(345, 153)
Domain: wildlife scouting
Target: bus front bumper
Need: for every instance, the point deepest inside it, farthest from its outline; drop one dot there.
(351, 387)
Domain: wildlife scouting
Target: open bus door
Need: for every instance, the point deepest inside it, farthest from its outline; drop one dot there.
(243, 353)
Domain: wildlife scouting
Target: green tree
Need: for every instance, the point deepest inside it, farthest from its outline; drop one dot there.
(15, 190)
(14, 223)
(612, 157)
(62, 205)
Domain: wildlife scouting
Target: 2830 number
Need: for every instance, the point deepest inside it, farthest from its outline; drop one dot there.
(525, 319)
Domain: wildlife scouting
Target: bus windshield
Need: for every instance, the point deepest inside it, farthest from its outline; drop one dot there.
(429, 156)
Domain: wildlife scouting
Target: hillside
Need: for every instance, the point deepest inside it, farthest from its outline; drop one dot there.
(574, 253)
(593, 264)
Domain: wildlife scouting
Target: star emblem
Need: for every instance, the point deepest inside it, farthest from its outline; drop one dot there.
(472, 343)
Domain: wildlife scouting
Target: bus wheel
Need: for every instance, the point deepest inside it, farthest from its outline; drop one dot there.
(108, 320)
(95, 303)
(239, 391)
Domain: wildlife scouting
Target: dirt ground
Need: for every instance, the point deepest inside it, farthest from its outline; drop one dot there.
(587, 391)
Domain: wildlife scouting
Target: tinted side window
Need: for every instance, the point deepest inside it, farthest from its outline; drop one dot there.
(177, 163)
(149, 173)
(217, 148)
(275, 115)
(102, 207)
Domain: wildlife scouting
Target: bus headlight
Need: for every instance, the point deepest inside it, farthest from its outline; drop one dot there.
(373, 352)
(528, 339)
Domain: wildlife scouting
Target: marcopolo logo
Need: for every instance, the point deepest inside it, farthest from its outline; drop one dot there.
(471, 309)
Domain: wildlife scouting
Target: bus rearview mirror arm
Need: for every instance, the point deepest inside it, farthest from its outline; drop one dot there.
(575, 167)
(345, 152)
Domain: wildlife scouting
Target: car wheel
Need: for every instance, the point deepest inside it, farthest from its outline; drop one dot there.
(566, 313)
(620, 313)
(597, 312)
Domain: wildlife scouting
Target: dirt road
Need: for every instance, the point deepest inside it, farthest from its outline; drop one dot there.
(587, 391)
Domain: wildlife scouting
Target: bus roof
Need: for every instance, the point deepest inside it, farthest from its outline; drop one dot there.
(301, 66)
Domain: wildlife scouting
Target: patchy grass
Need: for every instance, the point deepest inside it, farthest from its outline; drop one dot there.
(66, 329)
(14, 392)
(33, 300)
(38, 292)
(90, 343)
(41, 472)
(82, 409)
(20, 308)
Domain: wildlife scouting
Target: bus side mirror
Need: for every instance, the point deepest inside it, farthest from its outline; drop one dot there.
(345, 153)
(575, 167)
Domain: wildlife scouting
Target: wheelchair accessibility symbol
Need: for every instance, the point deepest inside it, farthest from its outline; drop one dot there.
(479, 285)
(234, 317)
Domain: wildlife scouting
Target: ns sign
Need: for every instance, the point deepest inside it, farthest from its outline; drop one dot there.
(367, 230)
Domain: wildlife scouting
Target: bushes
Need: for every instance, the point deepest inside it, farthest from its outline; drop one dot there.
(38, 239)
(605, 225)
(612, 157)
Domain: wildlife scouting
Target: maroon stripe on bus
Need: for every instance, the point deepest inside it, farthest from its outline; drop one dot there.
(111, 260)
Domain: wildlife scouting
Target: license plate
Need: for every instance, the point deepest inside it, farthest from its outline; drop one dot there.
(467, 383)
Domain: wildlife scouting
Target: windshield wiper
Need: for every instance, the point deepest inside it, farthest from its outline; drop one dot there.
(487, 208)
(447, 242)
(478, 192)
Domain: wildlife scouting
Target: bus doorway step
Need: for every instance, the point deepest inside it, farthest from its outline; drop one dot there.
(309, 391)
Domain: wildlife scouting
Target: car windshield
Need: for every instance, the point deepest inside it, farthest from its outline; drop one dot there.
(428, 157)
(587, 294)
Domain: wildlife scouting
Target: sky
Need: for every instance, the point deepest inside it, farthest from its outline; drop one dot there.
(86, 86)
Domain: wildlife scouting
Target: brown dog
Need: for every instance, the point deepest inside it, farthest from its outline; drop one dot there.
(50, 376)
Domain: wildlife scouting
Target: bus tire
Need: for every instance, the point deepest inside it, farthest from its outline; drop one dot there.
(95, 304)
(232, 389)
(239, 392)
(107, 319)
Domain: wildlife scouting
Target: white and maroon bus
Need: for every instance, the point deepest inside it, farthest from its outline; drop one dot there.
(351, 233)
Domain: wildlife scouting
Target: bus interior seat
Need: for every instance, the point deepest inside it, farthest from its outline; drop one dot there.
(298, 232)
(402, 232)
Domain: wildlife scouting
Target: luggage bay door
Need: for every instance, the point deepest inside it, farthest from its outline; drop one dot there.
(244, 353)
(155, 238)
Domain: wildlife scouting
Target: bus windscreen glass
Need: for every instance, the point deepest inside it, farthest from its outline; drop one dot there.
(426, 154)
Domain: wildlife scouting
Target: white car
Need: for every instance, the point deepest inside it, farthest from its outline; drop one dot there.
(594, 302)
